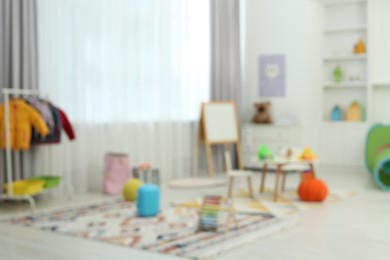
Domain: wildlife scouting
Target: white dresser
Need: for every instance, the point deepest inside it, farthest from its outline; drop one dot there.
(275, 137)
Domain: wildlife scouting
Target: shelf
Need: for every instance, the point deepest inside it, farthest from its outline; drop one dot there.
(346, 29)
(343, 2)
(381, 84)
(345, 123)
(345, 85)
(346, 57)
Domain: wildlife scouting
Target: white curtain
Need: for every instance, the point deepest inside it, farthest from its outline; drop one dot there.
(131, 75)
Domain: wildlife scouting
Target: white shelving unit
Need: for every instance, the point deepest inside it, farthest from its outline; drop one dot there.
(380, 61)
(344, 24)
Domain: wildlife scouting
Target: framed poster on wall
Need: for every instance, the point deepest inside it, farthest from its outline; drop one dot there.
(272, 75)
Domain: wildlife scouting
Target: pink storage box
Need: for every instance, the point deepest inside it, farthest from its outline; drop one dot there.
(117, 170)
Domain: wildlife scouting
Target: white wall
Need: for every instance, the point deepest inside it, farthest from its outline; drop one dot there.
(294, 28)
(290, 28)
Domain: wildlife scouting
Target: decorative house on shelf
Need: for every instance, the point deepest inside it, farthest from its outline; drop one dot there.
(360, 47)
(336, 114)
(355, 112)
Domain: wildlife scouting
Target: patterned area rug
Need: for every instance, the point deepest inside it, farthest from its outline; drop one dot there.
(287, 204)
(173, 231)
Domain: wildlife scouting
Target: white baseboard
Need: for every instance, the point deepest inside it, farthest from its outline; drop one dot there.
(345, 168)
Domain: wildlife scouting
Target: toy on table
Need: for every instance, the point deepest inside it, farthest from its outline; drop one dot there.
(307, 154)
(130, 189)
(264, 152)
(148, 200)
(312, 189)
(210, 216)
(360, 47)
(147, 174)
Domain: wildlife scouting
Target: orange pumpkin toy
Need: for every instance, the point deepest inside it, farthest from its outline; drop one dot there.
(312, 189)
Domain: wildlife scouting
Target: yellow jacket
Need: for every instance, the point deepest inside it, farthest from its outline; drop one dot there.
(22, 118)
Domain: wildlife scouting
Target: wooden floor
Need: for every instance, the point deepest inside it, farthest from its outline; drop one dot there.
(355, 228)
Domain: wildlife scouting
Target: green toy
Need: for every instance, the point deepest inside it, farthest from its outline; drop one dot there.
(378, 155)
(264, 152)
(338, 74)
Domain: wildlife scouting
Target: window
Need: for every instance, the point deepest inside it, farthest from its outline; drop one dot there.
(109, 61)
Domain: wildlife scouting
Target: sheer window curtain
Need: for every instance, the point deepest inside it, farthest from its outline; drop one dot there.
(131, 75)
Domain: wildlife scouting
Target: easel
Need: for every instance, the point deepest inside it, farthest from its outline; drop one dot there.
(218, 125)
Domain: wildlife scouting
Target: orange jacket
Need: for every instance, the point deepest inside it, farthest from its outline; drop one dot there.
(22, 117)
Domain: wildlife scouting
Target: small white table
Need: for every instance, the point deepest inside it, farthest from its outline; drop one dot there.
(282, 165)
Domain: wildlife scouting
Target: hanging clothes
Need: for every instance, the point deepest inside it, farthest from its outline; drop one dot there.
(22, 118)
(54, 135)
(61, 122)
(44, 110)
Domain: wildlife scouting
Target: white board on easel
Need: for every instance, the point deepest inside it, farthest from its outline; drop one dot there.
(219, 125)
(220, 122)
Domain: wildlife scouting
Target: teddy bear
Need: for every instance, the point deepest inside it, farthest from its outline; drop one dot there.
(263, 113)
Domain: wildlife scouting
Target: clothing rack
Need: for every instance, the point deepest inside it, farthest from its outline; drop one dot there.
(7, 92)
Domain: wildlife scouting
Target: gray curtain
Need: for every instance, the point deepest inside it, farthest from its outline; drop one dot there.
(225, 58)
(18, 53)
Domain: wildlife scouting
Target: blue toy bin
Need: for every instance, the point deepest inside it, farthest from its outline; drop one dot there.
(148, 200)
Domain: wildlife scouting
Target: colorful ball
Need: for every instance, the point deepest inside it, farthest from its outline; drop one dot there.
(313, 190)
(130, 189)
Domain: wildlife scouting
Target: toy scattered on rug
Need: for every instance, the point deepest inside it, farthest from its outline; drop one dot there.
(264, 152)
(148, 200)
(213, 216)
(308, 154)
(147, 173)
(378, 155)
(130, 189)
(312, 189)
(262, 115)
(146, 195)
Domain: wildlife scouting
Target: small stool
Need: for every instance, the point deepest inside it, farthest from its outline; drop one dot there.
(148, 201)
(237, 174)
